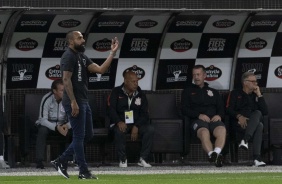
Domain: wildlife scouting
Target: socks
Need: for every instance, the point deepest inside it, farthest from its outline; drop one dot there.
(210, 153)
(217, 150)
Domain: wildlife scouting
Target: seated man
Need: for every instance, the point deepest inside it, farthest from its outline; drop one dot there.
(52, 119)
(128, 111)
(246, 108)
(204, 106)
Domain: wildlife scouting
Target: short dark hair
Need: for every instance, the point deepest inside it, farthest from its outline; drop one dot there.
(56, 83)
(246, 75)
(69, 35)
(200, 67)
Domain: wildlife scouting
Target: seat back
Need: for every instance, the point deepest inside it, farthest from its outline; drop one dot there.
(162, 106)
(32, 106)
(168, 134)
(274, 105)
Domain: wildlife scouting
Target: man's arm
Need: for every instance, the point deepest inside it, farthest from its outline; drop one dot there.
(94, 68)
(69, 89)
(143, 113)
(43, 115)
(186, 105)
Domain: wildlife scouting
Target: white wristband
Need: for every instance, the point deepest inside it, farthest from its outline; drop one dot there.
(113, 53)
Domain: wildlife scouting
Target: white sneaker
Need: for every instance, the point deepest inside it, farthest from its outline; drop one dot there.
(3, 165)
(123, 163)
(258, 163)
(143, 163)
(243, 145)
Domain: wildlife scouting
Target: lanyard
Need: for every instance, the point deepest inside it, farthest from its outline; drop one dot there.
(129, 102)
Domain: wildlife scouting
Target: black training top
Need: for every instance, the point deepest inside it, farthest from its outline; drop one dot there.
(76, 63)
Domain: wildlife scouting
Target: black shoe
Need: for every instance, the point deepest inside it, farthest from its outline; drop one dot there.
(39, 165)
(61, 167)
(213, 157)
(218, 161)
(86, 175)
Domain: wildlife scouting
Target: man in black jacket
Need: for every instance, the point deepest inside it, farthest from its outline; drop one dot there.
(128, 110)
(204, 106)
(246, 108)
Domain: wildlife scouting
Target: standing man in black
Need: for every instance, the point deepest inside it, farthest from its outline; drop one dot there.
(246, 108)
(74, 67)
(204, 106)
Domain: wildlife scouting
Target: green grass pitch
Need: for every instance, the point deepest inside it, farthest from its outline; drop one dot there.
(222, 178)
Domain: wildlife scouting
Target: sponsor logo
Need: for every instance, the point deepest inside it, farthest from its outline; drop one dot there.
(60, 44)
(253, 67)
(146, 23)
(181, 45)
(278, 72)
(102, 45)
(263, 23)
(190, 23)
(139, 44)
(137, 70)
(111, 24)
(223, 23)
(69, 23)
(33, 23)
(176, 70)
(100, 78)
(53, 73)
(213, 73)
(21, 70)
(216, 44)
(256, 44)
(26, 44)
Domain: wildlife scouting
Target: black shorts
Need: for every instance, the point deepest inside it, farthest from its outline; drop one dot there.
(202, 124)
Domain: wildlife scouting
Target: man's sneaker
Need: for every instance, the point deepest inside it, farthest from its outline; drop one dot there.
(244, 145)
(40, 165)
(123, 163)
(61, 167)
(218, 161)
(259, 163)
(212, 157)
(86, 175)
(143, 163)
(3, 165)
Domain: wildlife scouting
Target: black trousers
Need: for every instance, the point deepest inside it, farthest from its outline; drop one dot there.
(146, 133)
(43, 133)
(253, 131)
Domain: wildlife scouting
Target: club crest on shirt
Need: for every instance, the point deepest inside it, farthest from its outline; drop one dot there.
(138, 101)
(210, 93)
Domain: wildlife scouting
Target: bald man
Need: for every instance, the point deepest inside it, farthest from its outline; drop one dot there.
(128, 109)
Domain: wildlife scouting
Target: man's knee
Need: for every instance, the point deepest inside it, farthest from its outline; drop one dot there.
(260, 127)
(203, 133)
(118, 133)
(257, 113)
(220, 132)
(43, 131)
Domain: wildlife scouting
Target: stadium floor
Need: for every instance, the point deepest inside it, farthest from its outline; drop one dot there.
(134, 169)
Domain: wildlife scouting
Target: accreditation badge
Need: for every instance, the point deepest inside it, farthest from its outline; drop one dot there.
(128, 117)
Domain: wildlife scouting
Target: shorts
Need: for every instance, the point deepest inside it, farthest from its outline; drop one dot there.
(202, 124)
